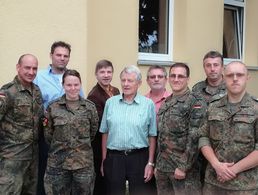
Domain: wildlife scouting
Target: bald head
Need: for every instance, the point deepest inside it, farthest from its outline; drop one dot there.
(27, 68)
(234, 64)
(27, 56)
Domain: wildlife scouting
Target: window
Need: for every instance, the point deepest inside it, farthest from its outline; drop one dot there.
(233, 29)
(155, 30)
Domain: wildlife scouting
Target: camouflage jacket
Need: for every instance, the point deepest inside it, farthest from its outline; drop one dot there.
(69, 133)
(232, 136)
(179, 119)
(202, 89)
(21, 111)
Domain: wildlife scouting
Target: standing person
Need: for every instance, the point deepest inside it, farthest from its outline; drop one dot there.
(179, 119)
(229, 138)
(128, 141)
(21, 112)
(157, 80)
(72, 124)
(99, 95)
(212, 88)
(50, 80)
(50, 83)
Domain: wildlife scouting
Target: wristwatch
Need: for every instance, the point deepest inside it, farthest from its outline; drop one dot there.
(151, 164)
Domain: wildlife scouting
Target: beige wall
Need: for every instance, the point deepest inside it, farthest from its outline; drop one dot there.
(112, 34)
(32, 26)
(99, 29)
(251, 44)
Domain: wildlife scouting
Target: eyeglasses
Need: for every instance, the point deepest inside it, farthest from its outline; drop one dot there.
(178, 76)
(156, 76)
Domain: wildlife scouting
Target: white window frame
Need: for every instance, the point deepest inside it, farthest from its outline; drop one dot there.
(162, 57)
(241, 43)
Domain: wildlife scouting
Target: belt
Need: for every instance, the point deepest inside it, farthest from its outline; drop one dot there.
(127, 152)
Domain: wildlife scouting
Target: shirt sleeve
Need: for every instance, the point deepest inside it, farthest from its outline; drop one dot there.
(48, 126)
(104, 125)
(197, 115)
(3, 104)
(204, 134)
(94, 123)
(153, 121)
(256, 130)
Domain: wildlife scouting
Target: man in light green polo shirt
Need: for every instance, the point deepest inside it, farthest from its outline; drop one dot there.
(129, 137)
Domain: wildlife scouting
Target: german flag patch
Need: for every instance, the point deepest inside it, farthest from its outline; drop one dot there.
(2, 95)
(197, 106)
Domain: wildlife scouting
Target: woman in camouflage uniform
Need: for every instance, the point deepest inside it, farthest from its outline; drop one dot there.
(70, 126)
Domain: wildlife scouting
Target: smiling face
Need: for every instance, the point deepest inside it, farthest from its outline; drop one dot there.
(104, 76)
(27, 69)
(72, 86)
(236, 77)
(129, 84)
(178, 80)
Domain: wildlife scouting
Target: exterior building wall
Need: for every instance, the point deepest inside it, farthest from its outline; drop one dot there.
(99, 29)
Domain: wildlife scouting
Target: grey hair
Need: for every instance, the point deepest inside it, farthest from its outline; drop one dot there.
(157, 67)
(132, 69)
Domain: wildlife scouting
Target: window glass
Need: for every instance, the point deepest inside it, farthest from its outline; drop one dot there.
(233, 30)
(154, 29)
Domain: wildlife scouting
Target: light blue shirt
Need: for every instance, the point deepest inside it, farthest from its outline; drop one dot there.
(50, 85)
(128, 125)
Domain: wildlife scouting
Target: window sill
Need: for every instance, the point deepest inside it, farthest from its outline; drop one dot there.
(252, 68)
(153, 63)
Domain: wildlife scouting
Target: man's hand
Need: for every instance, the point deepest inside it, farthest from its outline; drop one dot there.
(179, 174)
(102, 169)
(224, 171)
(148, 173)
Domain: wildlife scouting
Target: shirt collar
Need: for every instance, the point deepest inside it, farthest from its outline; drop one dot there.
(63, 100)
(21, 87)
(49, 68)
(244, 102)
(136, 98)
(182, 97)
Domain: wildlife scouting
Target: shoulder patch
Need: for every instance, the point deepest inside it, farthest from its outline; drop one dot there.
(89, 101)
(198, 86)
(197, 106)
(216, 98)
(8, 85)
(255, 98)
(2, 94)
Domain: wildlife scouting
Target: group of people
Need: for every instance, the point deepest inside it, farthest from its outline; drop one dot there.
(53, 140)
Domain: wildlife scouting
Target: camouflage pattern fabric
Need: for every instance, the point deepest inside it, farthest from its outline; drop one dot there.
(214, 190)
(179, 119)
(21, 111)
(69, 182)
(232, 135)
(209, 93)
(167, 184)
(69, 133)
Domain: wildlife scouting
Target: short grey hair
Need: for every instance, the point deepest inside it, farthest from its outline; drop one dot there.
(157, 67)
(132, 69)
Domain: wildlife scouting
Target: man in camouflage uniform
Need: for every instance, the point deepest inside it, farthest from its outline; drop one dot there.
(210, 89)
(178, 121)
(70, 129)
(213, 87)
(229, 138)
(21, 110)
